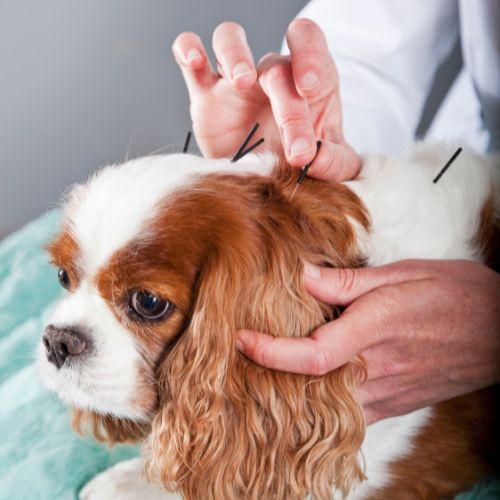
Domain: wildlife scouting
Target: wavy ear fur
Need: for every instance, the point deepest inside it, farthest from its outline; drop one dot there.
(228, 428)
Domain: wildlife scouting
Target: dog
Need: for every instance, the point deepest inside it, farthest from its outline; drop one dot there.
(166, 257)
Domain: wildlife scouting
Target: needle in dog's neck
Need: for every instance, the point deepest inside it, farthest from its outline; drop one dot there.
(242, 151)
(304, 171)
(448, 163)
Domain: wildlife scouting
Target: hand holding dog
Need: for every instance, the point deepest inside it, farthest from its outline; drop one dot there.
(295, 99)
(428, 330)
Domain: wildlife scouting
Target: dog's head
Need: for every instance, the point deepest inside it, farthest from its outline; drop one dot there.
(164, 259)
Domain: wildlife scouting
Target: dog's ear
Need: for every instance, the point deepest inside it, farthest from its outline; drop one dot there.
(107, 429)
(228, 428)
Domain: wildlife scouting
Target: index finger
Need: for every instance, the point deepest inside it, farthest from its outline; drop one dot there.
(290, 111)
(314, 71)
(190, 55)
(330, 346)
(234, 55)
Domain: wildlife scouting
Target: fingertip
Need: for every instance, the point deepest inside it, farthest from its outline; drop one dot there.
(189, 51)
(335, 162)
(246, 341)
(334, 286)
(242, 337)
(300, 151)
(311, 271)
(317, 289)
(301, 23)
(234, 55)
(240, 346)
(228, 28)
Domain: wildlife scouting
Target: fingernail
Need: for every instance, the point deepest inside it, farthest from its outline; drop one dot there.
(240, 70)
(193, 54)
(298, 147)
(239, 345)
(309, 80)
(312, 271)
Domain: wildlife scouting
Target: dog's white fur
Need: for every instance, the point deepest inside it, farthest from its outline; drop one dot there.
(414, 218)
(411, 218)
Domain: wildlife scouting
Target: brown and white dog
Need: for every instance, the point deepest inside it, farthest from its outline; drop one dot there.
(166, 257)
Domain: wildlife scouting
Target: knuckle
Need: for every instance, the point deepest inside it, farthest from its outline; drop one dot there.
(386, 368)
(319, 364)
(261, 352)
(375, 413)
(264, 356)
(347, 279)
(230, 53)
(410, 266)
(293, 119)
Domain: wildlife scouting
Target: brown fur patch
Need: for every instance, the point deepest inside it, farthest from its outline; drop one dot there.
(488, 235)
(64, 253)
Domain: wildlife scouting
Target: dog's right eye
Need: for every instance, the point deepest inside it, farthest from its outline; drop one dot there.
(148, 305)
(63, 277)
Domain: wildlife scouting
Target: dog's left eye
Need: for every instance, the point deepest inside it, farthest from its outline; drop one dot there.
(148, 305)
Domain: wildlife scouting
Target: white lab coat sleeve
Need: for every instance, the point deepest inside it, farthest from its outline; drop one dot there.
(387, 53)
(480, 37)
(459, 118)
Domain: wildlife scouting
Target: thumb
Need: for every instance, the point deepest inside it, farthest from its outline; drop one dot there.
(330, 346)
(344, 286)
(335, 162)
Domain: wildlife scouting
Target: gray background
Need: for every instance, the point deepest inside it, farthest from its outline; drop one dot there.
(81, 80)
(77, 78)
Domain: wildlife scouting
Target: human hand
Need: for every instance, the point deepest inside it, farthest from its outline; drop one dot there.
(295, 99)
(428, 330)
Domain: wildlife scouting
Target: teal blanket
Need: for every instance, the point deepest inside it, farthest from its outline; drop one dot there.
(40, 456)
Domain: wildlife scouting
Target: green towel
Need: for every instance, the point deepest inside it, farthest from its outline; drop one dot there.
(40, 456)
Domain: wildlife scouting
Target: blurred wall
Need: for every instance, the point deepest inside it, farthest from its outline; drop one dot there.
(78, 79)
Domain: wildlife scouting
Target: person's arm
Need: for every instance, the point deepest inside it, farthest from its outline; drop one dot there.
(428, 330)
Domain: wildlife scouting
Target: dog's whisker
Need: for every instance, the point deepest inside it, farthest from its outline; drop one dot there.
(130, 141)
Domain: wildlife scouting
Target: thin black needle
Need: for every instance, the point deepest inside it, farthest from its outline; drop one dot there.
(448, 163)
(304, 171)
(186, 142)
(242, 152)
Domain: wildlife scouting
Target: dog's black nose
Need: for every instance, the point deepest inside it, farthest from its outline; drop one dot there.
(62, 343)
